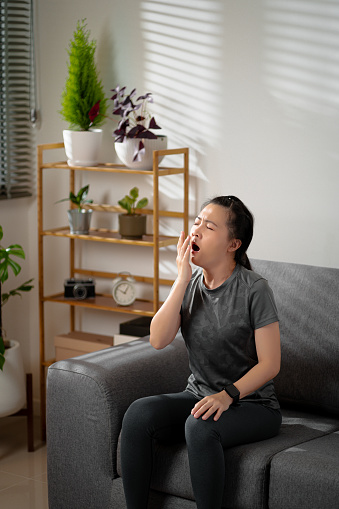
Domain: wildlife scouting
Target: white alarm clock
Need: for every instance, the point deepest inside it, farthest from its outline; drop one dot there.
(124, 292)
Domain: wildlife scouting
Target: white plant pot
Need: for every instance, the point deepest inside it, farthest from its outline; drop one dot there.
(83, 147)
(12, 381)
(126, 150)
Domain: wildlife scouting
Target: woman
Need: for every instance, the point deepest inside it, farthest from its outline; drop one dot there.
(229, 322)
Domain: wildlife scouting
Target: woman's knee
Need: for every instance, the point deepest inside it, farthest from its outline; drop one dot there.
(139, 415)
(198, 431)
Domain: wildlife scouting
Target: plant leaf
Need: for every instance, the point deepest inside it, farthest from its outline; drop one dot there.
(129, 200)
(147, 134)
(153, 124)
(63, 199)
(2, 346)
(3, 272)
(119, 139)
(14, 266)
(136, 131)
(141, 203)
(72, 197)
(146, 96)
(140, 151)
(8, 262)
(134, 193)
(24, 287)
(94, 111)
(123, 124)
(127, 101)
(118, 111)
(15, 250)
(83, 192)
(125, 205)
(2, 361)
(137, 156)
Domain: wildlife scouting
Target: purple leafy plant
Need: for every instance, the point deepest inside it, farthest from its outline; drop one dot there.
(135, 122)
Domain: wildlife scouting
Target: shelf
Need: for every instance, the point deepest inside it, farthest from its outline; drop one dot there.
(111, 236)
(102, 207)
(155, 241)
(115, 168)
(105, 303)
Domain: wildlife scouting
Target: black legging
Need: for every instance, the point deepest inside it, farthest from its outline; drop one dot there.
(166, 417)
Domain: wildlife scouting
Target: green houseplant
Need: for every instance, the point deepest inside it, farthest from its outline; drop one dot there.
(12, 374)
(132, 224)
(79, 217)
(83, 88)
(135, 140)
(7, 262)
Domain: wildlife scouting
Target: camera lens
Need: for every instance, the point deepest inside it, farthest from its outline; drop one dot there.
(79, 292)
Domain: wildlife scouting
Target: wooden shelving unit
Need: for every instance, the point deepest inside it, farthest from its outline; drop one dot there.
(154, 241)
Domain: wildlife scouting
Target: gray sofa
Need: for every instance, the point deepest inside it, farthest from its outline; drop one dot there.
(299, 469)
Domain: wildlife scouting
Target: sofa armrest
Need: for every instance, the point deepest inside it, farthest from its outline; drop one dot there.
(87, 397)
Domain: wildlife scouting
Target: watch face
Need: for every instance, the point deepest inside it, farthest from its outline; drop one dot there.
(124, 293)
(232, 391)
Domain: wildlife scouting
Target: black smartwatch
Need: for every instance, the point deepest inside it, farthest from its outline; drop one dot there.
(233, 392)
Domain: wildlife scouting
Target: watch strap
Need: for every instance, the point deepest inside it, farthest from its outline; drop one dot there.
(233, 392)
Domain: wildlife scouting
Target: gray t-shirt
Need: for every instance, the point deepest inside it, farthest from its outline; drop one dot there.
(218, 328)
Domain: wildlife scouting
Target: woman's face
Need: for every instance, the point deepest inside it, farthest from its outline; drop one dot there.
(210, 237)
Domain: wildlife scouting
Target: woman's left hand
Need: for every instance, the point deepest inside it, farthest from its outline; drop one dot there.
(217, 403)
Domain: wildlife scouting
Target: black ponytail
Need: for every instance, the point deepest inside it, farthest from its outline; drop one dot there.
(240, 224)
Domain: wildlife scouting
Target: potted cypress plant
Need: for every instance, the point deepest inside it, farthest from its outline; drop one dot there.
(132, 224)
(12, 376)
(83, 88)
(79, 217)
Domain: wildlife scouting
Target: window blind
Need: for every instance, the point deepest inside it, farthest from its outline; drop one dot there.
(17, 98)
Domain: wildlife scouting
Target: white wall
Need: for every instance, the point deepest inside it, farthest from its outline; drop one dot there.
(250, 87)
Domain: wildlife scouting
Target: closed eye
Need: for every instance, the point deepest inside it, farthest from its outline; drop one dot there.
(208, 227)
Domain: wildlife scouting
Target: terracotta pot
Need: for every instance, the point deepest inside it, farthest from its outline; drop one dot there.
(126, 150)
(83, 147)
(132, 226)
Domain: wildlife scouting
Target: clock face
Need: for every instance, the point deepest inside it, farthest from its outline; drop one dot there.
(124, 293)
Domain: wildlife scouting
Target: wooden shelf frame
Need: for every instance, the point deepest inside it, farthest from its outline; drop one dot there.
(155, 241)
(141, 307)
(111, 236)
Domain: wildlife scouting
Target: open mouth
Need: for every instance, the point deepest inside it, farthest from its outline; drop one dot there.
(195, 247)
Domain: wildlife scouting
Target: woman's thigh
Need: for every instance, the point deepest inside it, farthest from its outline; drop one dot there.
(161, 417)
(245, 423)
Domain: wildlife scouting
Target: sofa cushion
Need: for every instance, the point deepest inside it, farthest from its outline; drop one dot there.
(306, 475)
(247, 466)
(307, 299)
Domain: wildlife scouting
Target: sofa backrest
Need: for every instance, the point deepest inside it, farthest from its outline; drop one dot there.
(307, 298)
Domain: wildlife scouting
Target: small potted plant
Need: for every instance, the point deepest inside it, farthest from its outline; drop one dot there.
(132, 224)
(12, 376)
(79, 217)
(83, 88)
(135, 140)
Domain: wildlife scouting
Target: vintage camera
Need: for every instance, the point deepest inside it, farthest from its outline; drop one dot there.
(79, 288)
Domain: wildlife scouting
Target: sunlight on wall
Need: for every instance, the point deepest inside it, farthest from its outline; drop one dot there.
(182, 44)
(183, 65)
(302, 54)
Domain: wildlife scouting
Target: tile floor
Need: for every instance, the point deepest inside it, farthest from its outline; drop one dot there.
(23, 475)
